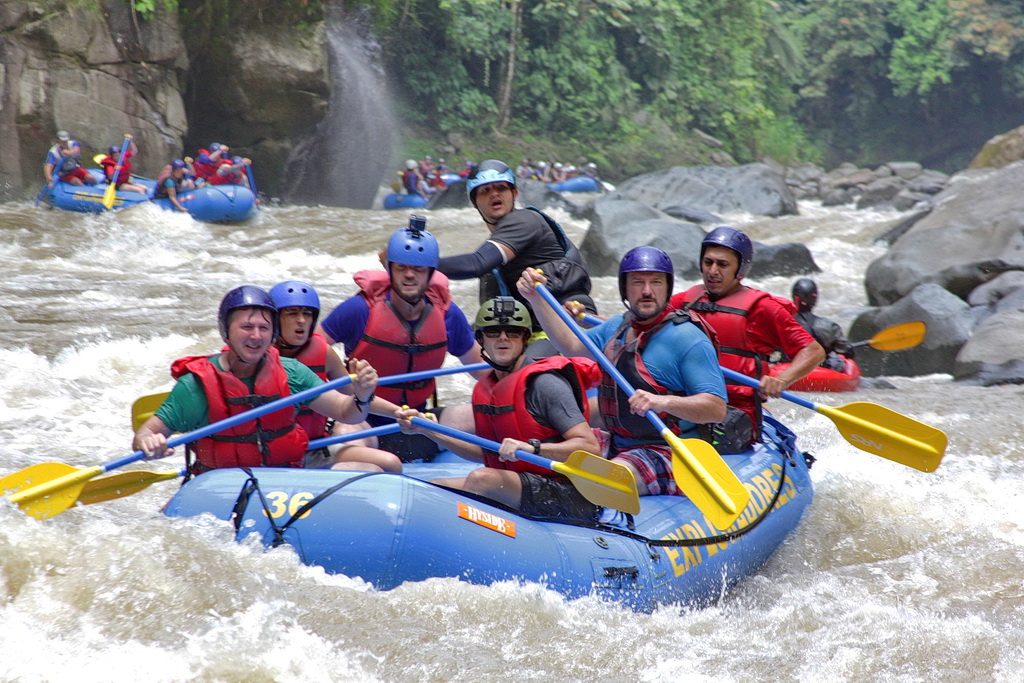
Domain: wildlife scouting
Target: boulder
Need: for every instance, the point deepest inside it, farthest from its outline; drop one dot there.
(1001, 150)
(880, 191)
(974, 233)
(789, 259)
(753, 188)
(538, 194)
(989, 358)
(949, 327)
(908, 170)
(619, 225)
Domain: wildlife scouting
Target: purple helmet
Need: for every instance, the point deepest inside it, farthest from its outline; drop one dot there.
(731, 238)
(177, 163)
(246, 296)
(645, 260)
(295, 293)
(114, 149)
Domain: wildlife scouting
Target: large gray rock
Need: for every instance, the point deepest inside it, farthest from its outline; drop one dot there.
(97, 74)
(789, 259)
(974, 233)
(753, 188)
(990, 356)
(619, 225)
(949, 327)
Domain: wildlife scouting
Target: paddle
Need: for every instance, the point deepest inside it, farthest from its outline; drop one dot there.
(45, 492)
(109, 193)
(705, 477)
(42, 193)
(897, 337)
(252, 181)
(145, 406)
(875, 429)
(126, 483)
(600, 481)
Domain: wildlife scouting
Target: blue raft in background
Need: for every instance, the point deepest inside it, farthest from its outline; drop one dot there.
(210, 203)
(391, 528)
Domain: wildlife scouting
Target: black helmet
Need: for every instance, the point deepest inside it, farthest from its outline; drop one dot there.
(805, 294)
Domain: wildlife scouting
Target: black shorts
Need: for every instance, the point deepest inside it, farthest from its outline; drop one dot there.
(555, 497)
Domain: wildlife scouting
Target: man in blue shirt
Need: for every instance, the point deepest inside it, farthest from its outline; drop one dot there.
(669, 360)
(404, 320)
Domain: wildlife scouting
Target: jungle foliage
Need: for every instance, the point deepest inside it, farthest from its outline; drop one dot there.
(824, 80)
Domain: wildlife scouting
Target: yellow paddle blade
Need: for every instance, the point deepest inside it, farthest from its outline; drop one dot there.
(899, 337)
(601, 481)
(122, 484)
(886, 433)
(144, 407)
(109, 196)
(50, 498)
(34, 476)
(706, 479)
(98, 158)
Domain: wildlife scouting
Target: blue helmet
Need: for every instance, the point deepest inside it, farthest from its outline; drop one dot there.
(731, 238)
(645, 260)
(214, 146)
(295, 293)
(246, 296)
(414, 245)
(487, 172)
(177, 163)
(114, 149)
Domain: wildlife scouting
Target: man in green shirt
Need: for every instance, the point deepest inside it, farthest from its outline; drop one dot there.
(249, 373)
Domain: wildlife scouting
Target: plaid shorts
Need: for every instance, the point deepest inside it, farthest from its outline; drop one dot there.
(654, 463)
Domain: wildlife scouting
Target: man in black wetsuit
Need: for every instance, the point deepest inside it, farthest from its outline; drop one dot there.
(826, 332)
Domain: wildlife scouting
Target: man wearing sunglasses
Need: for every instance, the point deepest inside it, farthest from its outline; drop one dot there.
(539, 407)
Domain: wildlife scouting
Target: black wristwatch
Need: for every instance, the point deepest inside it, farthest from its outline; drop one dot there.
(360, 403)
(536, 445)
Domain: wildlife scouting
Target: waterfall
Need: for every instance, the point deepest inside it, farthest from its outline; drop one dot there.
(344, 161)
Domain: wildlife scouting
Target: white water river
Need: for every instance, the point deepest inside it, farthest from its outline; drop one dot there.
(894, 575)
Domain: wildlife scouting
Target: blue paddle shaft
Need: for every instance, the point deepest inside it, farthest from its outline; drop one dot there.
(525, 456)
(751, 382)
(284, 402)
(597, 354)
(351, 436)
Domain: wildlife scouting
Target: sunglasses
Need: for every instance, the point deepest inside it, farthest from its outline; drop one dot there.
(510, 332)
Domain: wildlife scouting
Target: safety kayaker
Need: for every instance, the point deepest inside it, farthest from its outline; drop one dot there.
(826, 332)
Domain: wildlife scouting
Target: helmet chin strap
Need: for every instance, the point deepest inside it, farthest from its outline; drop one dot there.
(502, 368)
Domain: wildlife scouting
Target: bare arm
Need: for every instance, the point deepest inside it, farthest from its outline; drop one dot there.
(346, 408)
(151, 438)
(564, 339)
(806, 360)
(462, 449)
(577, 438)
(699, 408)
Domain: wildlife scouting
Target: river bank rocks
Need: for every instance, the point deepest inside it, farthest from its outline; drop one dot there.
(955, 260)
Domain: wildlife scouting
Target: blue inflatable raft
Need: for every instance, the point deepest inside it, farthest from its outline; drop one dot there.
(210, 203)
(390, 528)
(396, 200)
(580, 183)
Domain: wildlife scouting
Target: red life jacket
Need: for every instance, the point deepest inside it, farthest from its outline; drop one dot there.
(728, 316)
(313, 355)
(204, 170)
(499, 406)
(109, 163)
(232, 178)
(393, 346)
(628, 360)
(274, 439)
